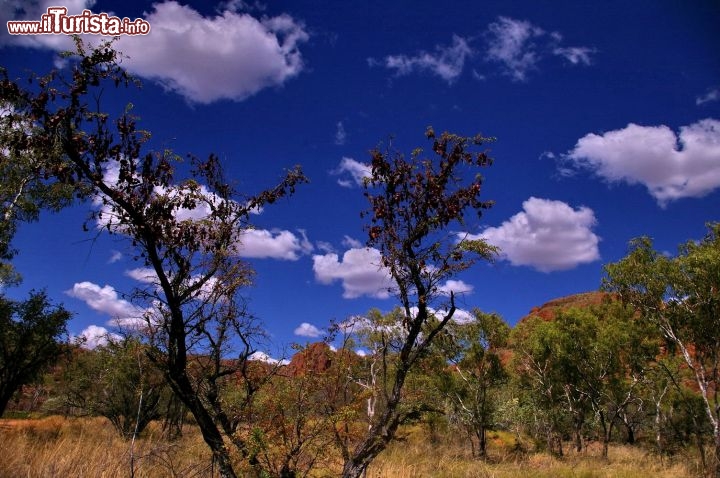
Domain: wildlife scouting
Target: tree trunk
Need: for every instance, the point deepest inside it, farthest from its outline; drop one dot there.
(630, 435)
(182, 387)
(6, 393)
(482, 442)
(717, 450)
(376, 440)
(658, 433)
(383, 430)
(579, 421)
(287, 472)
(558, 442)
(354, 470)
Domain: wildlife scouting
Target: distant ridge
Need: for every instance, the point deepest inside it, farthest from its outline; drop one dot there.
(549, 310)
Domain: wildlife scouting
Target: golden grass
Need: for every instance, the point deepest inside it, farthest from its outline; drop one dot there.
(89, 447)
(416, 457)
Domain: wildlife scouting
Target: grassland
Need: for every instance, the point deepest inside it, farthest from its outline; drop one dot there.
(88, 447)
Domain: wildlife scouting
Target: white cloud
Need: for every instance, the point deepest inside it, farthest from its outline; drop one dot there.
(105, 300)
(575, 55)
(670, 166)
(261, 243)
(340, 134)
(205, 59)
(447, 62)
(325, 246)
(307, 330)
(360, 324)
(202, 210)
(360, 272)
(547, 235)
(358, 172)
(94, 336)
(461, 316)
(263, 357)
(251, 243)
(709, 96)
(115, 256)
(511, 44)
(519, 46)
(145, 275)
(351, 243)
(455, 286)
(231, 56)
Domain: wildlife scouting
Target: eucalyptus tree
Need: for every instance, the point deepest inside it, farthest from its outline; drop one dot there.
(680, 295)
(31, 334)
(470, 384)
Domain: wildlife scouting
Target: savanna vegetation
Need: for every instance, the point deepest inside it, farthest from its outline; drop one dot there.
(618, 383)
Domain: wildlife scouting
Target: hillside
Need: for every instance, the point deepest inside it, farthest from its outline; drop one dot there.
(548, 310)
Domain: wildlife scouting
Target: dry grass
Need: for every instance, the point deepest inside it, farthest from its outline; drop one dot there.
(59, 447)
(89, 447)
(417, 457)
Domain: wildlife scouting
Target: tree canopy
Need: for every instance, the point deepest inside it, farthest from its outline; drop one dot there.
(31, 332)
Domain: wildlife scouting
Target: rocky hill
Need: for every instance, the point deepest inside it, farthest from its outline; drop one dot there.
(548, 310)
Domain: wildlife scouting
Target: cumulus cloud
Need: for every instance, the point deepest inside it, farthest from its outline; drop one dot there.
(359, 324)
(107, 301)
(455, 286)
(229, 56)
(251, 243)
(202, 210)
(547, 235)
(519, 46)
(447, 62)
(461, 316)
(360, 272)
(142, 274)
(263, 357)
(264, 244)
(94, 336)
(307, 330)
(671, 166)
(358, 172)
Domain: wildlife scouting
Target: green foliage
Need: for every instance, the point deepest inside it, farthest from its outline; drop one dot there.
(471, 384)
(117, 381)
(24, 190)
(30, 334)
(583, 362)
(680, 295)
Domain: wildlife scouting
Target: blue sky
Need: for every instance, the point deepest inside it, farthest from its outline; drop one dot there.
(606, 114)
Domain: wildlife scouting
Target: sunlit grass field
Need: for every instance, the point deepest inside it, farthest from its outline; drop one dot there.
(89, 447)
